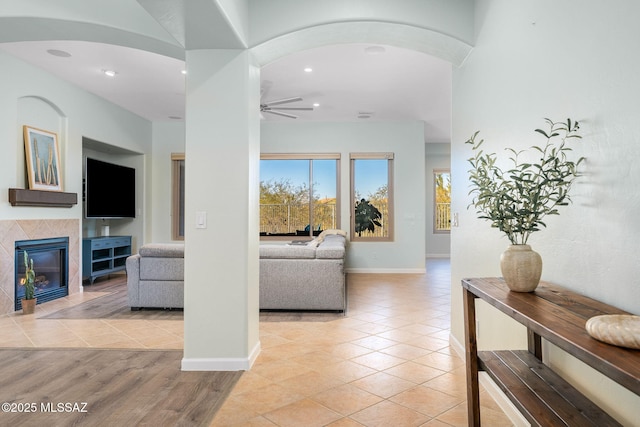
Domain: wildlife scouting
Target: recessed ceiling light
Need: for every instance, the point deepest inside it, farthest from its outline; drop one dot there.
(374, 50)
(184, 71)
(59, 53)
(109, 73)
(308, 70)
(315, 104)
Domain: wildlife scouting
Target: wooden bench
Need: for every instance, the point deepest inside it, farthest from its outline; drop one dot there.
(559, 316)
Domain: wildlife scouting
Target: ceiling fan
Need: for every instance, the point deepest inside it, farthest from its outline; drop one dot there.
(268, 107)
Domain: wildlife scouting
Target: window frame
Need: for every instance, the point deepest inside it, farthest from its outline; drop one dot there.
(177, 196)
(310, 157)
(436, 230)
(389, 222)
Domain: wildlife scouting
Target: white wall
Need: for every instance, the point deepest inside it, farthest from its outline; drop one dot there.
(536, 59)
(167, 138)
(405, 139)
(437, 157)
(31, 96)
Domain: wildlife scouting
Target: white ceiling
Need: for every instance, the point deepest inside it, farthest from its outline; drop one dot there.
(392, 85)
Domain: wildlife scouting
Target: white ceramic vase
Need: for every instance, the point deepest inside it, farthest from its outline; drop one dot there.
(521, 268)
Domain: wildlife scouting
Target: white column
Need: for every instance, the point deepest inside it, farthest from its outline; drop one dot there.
(222, 187)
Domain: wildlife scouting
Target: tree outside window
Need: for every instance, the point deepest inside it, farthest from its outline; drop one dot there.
(372, 198)
(298, 194)
(442, 202)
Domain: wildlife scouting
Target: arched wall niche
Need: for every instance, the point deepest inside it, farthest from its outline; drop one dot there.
(42, 113)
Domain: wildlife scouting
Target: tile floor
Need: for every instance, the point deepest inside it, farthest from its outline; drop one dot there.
(386, 363)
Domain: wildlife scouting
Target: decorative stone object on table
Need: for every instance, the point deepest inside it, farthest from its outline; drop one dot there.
(622, 330)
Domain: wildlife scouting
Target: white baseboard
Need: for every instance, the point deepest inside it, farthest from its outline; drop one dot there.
(221, 364)
(386, 270)
(493, 390)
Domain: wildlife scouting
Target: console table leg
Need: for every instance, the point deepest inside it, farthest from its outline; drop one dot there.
(471, 354)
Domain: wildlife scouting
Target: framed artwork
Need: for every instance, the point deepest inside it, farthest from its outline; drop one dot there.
(43, 159)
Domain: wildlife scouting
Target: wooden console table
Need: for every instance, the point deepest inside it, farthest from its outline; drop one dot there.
(558, 315)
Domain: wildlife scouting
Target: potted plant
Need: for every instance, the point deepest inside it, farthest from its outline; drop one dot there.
(29, 283)
(516, 200)
(367, 217)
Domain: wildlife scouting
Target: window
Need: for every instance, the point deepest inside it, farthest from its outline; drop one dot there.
(372, 196)
(298, 194)
(442, 201)
(177, 196)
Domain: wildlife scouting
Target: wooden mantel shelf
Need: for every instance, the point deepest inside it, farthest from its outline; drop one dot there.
(23, 197)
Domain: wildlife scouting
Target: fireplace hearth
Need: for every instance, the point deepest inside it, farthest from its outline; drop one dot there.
(51, 265)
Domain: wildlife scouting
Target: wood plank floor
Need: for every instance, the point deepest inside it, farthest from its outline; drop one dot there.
(113, 305)
(119, 387)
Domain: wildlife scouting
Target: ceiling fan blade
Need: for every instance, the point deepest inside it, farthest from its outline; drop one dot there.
(283, 101)
(295, 108)
(291, 116)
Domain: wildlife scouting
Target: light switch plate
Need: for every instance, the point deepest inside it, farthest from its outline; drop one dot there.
(201, 220)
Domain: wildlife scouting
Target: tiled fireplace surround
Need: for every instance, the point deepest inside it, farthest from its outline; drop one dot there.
(12, 230)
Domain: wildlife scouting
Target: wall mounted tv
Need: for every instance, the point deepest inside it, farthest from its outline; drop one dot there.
(110, 190)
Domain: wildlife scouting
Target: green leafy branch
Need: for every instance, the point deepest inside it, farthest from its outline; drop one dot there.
(517, 200)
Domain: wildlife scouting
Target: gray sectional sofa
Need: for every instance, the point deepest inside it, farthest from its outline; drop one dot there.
(155, 276)
(304, 277)
(292, 277)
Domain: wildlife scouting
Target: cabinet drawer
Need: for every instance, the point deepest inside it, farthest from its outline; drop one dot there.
(121, 242)
(102, 243)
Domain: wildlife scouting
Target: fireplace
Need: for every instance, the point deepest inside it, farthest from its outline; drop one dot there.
(51, 266)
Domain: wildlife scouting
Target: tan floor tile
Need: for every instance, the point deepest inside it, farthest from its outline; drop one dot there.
(348, 350)
(250, 381)
(346, 371)
(279, 370)
(374, 342)
(427, 401)
(457, 416)
(383, 385)
(449, 384)
(440, 361)
(345, 422)
(302, 413)
(346, 399)
(405, 351)
(233, 413)
(429, 343)
(435, 423)
(315, 359)
(414, 372)
(269, 398)
(310, 383)
(399, 335)
(378, 361)
(387, 413)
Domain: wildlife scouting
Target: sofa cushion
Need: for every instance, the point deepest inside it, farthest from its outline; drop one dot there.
(162, 250)
(158, 268)
(287, 251)
(331, 248)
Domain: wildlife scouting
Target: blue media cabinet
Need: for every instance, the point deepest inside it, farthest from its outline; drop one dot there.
(102, 256)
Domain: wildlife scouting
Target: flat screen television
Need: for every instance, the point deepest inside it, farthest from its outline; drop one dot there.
(110, 190)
